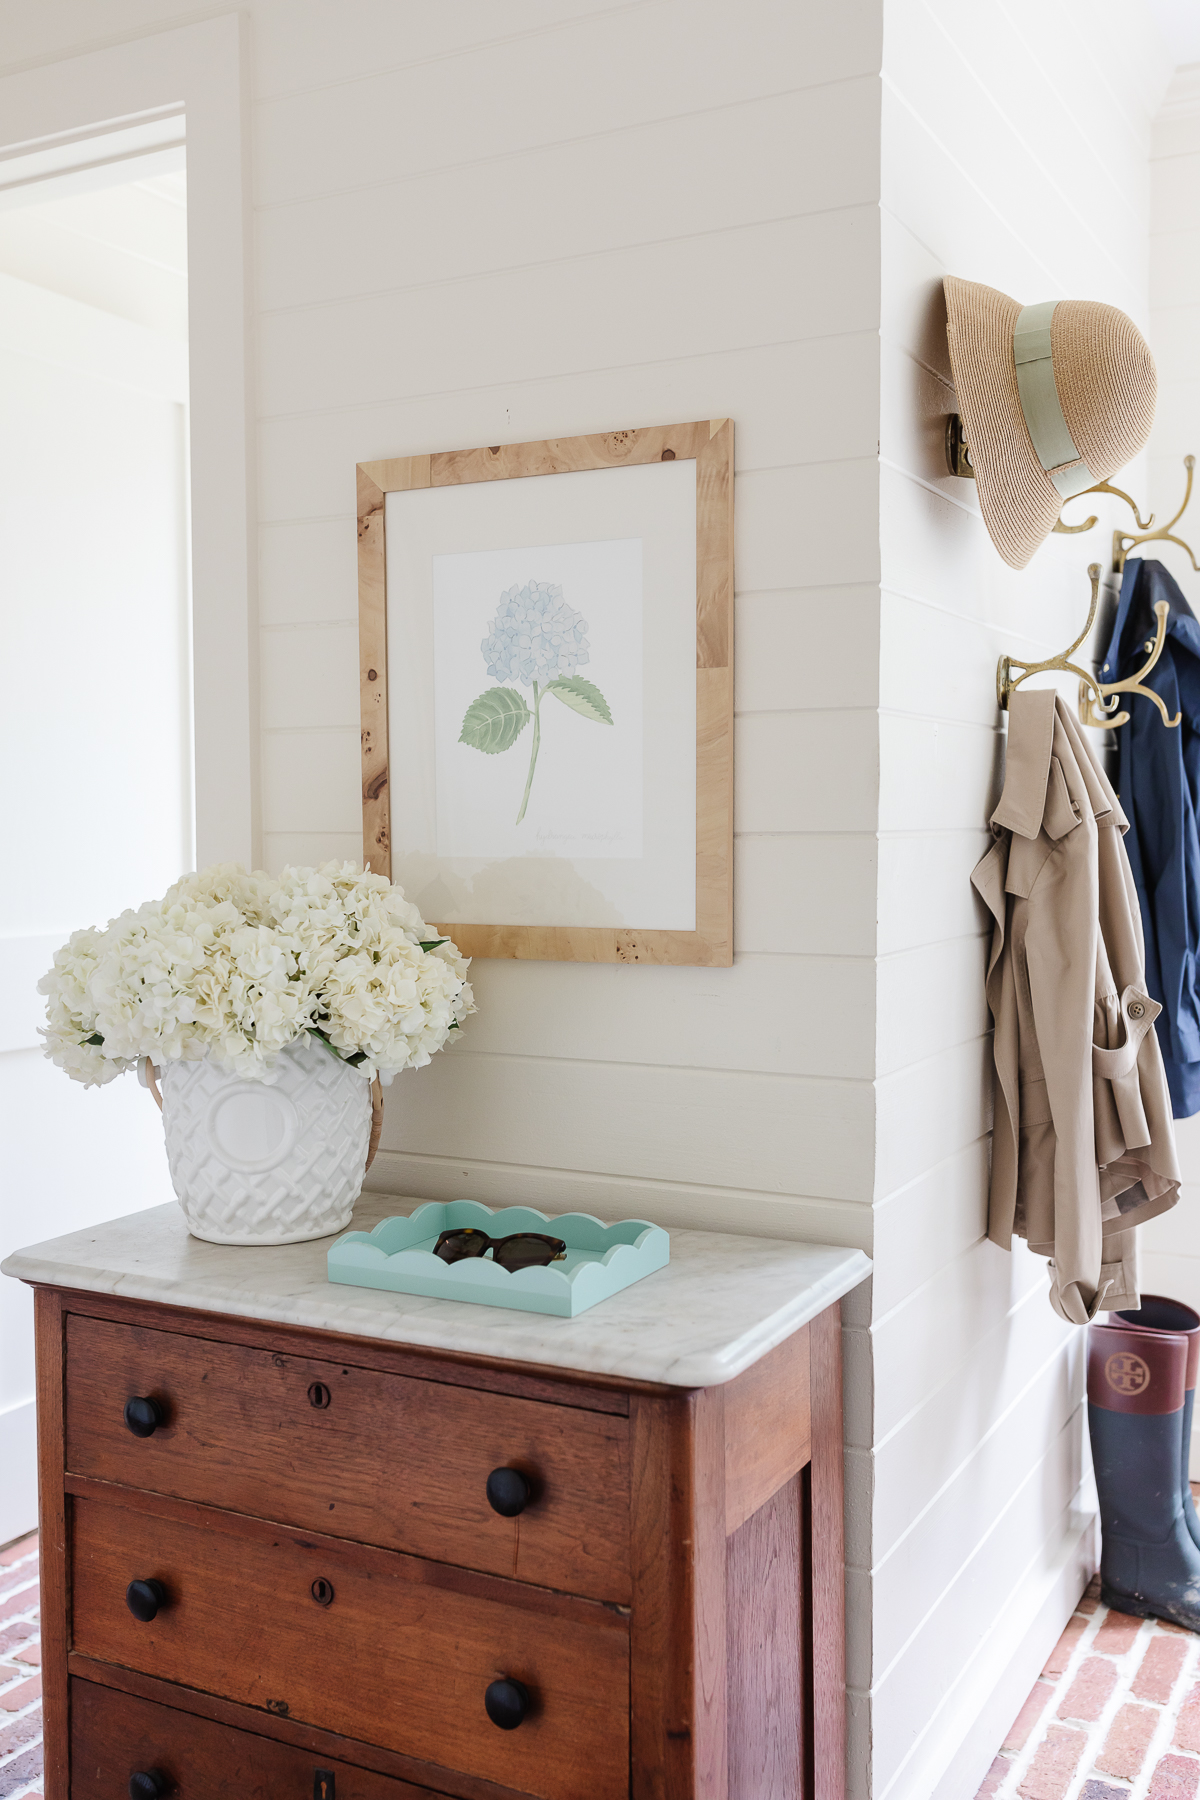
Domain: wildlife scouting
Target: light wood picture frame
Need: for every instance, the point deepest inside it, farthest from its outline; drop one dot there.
(709, 445)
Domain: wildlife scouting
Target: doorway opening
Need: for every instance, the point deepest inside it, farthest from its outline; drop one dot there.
(96, 729)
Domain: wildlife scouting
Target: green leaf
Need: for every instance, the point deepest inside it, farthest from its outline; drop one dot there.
(495, 721)
(94, 1039)
(582, 697)
(432, 943)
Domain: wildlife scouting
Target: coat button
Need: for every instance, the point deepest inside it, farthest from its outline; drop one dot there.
(1135, 1009)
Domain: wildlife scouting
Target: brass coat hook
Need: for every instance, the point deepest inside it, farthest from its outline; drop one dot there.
(1106, 487)
(1125, 541)
(1098, 701)
(1109, 690)
(1006, 682)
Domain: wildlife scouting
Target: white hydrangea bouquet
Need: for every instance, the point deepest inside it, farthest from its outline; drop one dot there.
(272, 1005)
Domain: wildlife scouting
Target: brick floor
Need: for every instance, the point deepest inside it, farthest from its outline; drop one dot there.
(1115, 1715)
(20, 1686)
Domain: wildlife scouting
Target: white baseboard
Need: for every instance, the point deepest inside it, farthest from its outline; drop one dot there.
(18, 1461)
(963, 1743)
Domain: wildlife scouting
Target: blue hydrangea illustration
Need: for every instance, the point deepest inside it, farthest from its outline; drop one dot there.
(536, 638)
(535, 635)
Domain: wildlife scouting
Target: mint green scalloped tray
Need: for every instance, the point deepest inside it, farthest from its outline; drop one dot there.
(600, 1260)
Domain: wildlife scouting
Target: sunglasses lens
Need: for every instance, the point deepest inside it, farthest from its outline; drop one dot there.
(527, 1250)
(453, 1246)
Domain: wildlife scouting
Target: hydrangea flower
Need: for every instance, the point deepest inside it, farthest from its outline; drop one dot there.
(236, 966)
(535, 636)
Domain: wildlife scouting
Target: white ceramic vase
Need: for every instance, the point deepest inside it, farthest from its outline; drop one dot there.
(267, 1162)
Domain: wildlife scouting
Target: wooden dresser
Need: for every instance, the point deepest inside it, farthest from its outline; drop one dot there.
(393, 1556)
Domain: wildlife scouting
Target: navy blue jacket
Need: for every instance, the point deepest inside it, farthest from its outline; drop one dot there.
(1158, 781)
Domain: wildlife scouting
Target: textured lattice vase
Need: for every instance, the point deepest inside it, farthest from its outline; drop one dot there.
(267, 1162)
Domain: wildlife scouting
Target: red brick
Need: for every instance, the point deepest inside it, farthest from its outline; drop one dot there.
(1125, 1746)
(21, 1600)
(1052, 1770)
(1116, 1634)
(18, 1577)
(14, 1775)
(30, 1653)
(1028, 1716)
(21, 1731)
(1187, 1726)
(1159, 1669)
(993, 1778)
(1060, 1656)
(20, 1633)
(1102, 1790)
(1091, 1597)
(23, 1547)
(1088, 1694)
(1175, 1778)
(14, 1699)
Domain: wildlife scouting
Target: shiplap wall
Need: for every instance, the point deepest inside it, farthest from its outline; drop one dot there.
(1171, 1245)
(1015, 145)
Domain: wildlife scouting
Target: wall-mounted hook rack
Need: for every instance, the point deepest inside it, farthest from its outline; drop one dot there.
(1125, 541)
(1108, 691)
(1106, 487)
(1098, 701)
(1005, 680)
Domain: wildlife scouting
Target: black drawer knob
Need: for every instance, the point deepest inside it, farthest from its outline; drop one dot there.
(143, 1416)
(508, 1492)
(147, 1784)
(143, 1598)
(507, 1703)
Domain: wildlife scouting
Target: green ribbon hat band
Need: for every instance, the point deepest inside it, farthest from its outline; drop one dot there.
(1038, 392)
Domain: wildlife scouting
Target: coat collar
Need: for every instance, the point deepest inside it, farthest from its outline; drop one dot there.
(1036, 719)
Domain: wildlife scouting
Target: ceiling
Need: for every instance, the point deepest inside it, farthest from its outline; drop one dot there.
(1179, 24)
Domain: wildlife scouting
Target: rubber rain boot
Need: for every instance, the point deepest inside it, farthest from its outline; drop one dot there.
(1157, 1313)
(1149, 1565)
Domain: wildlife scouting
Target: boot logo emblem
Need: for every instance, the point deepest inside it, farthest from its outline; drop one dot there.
(1127, 1373)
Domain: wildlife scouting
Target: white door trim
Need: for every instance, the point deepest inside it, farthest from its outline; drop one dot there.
(201, 67)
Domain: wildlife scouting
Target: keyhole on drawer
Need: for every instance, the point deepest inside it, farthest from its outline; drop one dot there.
(322, 1591)
(319, 1394)
(323, 1785)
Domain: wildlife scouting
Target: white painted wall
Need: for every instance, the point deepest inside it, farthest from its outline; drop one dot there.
(1015, 149)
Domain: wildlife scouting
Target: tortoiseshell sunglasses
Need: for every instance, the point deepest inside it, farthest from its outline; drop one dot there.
(521, 1250)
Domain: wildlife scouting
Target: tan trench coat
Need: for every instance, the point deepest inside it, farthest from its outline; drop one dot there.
(1083, 1148)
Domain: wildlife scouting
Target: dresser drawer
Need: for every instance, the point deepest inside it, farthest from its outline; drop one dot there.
(384, 1459)
(375, 1646)
(115, 1736)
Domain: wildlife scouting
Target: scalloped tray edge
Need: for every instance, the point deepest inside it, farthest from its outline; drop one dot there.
(617, 1256)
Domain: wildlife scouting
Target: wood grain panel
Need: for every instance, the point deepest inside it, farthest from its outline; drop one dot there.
(412, 1652)
(386, 1460)
(828, 1650)
(767, 1437)
(709, 443)
(561, 456)
(322, 1747)
(50, 1353)
(529, 1381)
(114, 1736)
(764, 1605)
(372, 675)
(677, 1628)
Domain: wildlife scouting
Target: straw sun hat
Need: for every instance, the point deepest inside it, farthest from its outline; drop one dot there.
(1054, 398)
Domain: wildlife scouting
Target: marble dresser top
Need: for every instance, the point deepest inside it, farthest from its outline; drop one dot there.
(720, 1304)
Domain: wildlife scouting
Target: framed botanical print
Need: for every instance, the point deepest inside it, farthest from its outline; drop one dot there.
(546, 633)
